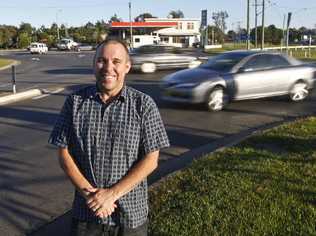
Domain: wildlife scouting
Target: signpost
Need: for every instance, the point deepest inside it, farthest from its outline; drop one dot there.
(204, 26)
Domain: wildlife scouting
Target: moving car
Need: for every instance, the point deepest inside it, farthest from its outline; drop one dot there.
(39, 48)
(149, 58)
(83, 47)
(240, 75)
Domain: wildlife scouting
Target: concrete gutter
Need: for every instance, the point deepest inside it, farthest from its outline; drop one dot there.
(20, 96)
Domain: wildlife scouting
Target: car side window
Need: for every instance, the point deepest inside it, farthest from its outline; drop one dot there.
(278, 61)
(258, 62)
(262, 62)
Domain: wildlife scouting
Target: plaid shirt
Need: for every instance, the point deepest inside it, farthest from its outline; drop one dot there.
(106, 140)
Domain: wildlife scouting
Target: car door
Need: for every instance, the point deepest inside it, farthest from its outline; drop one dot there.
(261, 76)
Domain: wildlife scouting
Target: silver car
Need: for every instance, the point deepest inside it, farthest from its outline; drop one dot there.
(149, 58)
(240, 75)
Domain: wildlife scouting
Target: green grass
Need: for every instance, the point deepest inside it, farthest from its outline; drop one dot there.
(266, 185)
(299, 53)
(5, 62)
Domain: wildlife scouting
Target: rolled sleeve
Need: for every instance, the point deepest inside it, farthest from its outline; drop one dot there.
(154, 133)
(60, 134)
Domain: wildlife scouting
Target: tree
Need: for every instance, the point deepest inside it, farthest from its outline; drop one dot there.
(26, 28)
(219, 19)
(176, 14)
(272, 35)
(142, 17)
(24, 40)
(218, 34)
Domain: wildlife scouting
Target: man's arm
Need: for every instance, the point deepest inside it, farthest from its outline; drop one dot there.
(135, 175)
(71, 169)
(81, 183)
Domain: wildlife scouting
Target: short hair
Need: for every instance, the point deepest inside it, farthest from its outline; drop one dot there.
(111, 41)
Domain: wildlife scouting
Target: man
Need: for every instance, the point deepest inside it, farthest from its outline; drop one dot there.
(109, 137)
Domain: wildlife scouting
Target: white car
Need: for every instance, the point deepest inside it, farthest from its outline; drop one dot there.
(39, 48)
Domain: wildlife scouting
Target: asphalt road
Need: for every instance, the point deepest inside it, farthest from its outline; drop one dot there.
(33, 189)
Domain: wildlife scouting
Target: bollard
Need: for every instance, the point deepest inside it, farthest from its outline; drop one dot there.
(13, 79)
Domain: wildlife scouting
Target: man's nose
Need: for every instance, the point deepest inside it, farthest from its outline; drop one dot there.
(108, 66)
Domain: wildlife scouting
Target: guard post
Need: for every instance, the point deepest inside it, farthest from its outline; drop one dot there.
(13, 79)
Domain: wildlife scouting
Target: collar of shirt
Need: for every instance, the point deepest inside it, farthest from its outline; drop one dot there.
(120, 97)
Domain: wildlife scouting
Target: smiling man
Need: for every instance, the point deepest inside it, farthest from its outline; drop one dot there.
(108, 137)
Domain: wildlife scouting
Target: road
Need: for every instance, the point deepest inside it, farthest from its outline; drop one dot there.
(33, 189)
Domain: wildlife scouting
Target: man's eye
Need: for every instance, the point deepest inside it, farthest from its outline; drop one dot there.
(116, 62)
(100, 60)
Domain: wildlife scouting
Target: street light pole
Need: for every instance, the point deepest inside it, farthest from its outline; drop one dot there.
(130, 24)
(248, 27)
(256, 24)
(262, 30)
(57, 24)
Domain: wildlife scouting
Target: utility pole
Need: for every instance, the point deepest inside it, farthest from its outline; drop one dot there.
(248, 27)
(57, 25)
(58, 37)
(262, 30)
(130, 24)
(288, 30)
(283, 33)
(256, 24)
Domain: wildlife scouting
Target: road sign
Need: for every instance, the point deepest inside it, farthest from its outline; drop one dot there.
(289, 19)
(204, 18)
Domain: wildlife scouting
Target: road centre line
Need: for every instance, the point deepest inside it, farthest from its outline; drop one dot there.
(46, 94)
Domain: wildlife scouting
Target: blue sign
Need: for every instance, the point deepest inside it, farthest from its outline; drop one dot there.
(204, 18)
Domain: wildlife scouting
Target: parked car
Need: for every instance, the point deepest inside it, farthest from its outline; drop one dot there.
(39, 48)
(240, 75)
(149, 58)
(66, 44)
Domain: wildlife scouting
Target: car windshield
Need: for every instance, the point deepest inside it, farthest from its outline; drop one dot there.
(224, 62)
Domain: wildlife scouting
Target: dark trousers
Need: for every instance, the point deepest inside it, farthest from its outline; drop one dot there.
(79, 228)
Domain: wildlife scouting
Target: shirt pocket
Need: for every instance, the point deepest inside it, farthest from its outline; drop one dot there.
(126, 137)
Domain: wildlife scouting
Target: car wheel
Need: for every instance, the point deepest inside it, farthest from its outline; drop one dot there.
(299, 92)
(148, 67)
(217, 99)
(194, 64)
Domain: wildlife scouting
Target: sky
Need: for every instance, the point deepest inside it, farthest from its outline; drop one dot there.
(79, 12)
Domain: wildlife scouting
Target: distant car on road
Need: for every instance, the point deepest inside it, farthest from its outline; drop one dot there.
(84, 47)
(39, 48)
(149, 58)
(240, 75)
(66, 44)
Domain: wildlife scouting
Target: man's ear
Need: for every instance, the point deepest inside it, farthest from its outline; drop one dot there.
(128, 66)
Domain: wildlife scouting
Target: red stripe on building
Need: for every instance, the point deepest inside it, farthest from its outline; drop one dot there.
(143, 24)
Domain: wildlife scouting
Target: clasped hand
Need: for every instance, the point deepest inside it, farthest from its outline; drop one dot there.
(101, 201)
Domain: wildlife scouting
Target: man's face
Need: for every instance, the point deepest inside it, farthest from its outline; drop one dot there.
(111, 66)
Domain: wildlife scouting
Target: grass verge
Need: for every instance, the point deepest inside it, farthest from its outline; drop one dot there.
(5, 62)
(265, 185)
(302, 54)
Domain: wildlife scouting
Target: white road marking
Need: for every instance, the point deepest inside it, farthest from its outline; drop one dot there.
(48, 93)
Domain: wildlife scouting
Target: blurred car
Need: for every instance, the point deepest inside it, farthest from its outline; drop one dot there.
(149, 58)
(84, 47)
(39, 48)
(240, 75)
